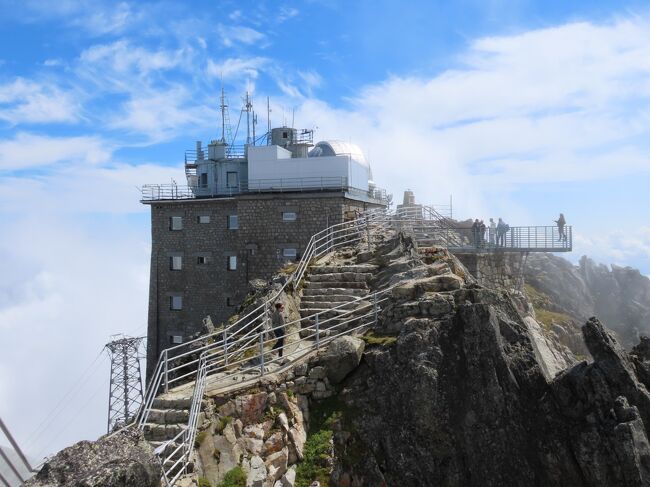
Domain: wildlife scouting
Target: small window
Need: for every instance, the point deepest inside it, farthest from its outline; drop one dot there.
(285, 135)
(203, 259)
(230, 301)
(204, 218)
(204, 180)
(251, 251)
(232, 179)
(176, 302)
(289, 253)
(176, 223)
(233, 222)
(175, 339)
(232, 262)
(289, 216)
(176, 263)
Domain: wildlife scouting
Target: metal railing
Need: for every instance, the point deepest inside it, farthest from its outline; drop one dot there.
(158, 192)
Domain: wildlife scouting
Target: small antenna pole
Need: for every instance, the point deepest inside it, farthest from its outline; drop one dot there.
(254, 123)
(293, 116)
(268, 113)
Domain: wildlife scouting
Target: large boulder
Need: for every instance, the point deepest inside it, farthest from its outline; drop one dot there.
(123, 459)
(342, 357)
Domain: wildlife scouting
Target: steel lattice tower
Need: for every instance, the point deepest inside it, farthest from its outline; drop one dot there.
(125, 394)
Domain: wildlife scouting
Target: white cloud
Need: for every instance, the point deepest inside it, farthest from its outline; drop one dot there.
(236, 68)
(231, 35)
(287, 13)
(30, 151)
(26, 101)
(123, 57)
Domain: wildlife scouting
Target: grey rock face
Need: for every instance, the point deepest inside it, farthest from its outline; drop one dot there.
(122, 460)
(618, 296)
(342, 356)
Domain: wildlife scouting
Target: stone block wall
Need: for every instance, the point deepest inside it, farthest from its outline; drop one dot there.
(204, 282)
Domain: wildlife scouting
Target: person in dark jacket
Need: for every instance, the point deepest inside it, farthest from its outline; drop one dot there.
(502, 229)
(277, 323)
(561, 223)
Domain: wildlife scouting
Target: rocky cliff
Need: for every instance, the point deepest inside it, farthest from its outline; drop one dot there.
(619, 296)
(456, 385)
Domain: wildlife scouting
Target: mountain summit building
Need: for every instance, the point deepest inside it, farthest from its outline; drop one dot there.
(243, 214)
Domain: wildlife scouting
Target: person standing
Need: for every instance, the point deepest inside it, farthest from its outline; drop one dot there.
(561, 223)
(501, 233)
(492, 232)
(277, 323)
(475, 230)
(481, 233)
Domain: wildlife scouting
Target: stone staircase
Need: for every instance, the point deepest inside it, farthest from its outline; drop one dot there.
(329, 286)
(167, 418)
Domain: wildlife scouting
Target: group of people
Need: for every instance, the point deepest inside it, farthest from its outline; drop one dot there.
(495, 234)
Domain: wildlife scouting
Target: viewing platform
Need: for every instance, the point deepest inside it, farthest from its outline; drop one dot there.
(515, 239)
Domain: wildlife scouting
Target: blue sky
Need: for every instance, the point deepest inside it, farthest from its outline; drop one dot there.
(519, 109)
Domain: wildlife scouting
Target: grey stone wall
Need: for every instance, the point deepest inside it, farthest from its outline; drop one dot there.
(210, 288)
(496, 270)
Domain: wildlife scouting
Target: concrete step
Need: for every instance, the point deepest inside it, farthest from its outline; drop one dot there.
(172, 403)
(330, 269)
(335, 284)
(160, 432)
(340, 277)
(169, 416)
(333, 291)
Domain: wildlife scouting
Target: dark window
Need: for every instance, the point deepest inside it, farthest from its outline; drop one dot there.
(230, 301)
(204, 180)
(285, 135)
(203, 260)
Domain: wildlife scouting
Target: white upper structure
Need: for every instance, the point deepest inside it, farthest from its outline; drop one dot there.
(329, 163)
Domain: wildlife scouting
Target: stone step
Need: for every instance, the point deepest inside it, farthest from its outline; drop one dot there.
(340, 277)
(336, 284)
(333, 291)
(333, 299)
(169, 416)
(172, 403)
(331, 269)
(327, 312)
(308, 303)
(161, 432)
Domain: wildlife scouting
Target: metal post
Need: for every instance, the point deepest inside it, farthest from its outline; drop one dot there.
(368, 232)
(261, 354)
(225, 346)
(317, 333)
(375, 307)
(166, 372)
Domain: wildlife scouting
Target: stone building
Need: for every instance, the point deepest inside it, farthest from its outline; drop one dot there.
(233, 223)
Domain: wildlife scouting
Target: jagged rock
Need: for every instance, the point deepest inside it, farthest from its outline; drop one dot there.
(289, 478)
(342, 356)
(250, 408)
(276, 465)
(256, 472)
(274, 443)
(123, 459)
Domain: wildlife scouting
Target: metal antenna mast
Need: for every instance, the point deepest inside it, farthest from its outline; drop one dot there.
(249, 108)
(125, 394)
(223, 115)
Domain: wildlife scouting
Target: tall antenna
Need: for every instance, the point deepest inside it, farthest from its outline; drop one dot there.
(268, 114)
(293, 115)
(223, 115)
(249, 108)
(125, 393)
(254, 123)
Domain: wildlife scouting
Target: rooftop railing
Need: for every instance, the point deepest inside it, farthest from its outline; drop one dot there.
(158, 192)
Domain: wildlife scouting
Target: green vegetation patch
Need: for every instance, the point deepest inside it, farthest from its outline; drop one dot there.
(234, 478)
(200, 438)
(204, 482)
(318, 447)
(223, 422)
(372, 338)
(541, 302)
